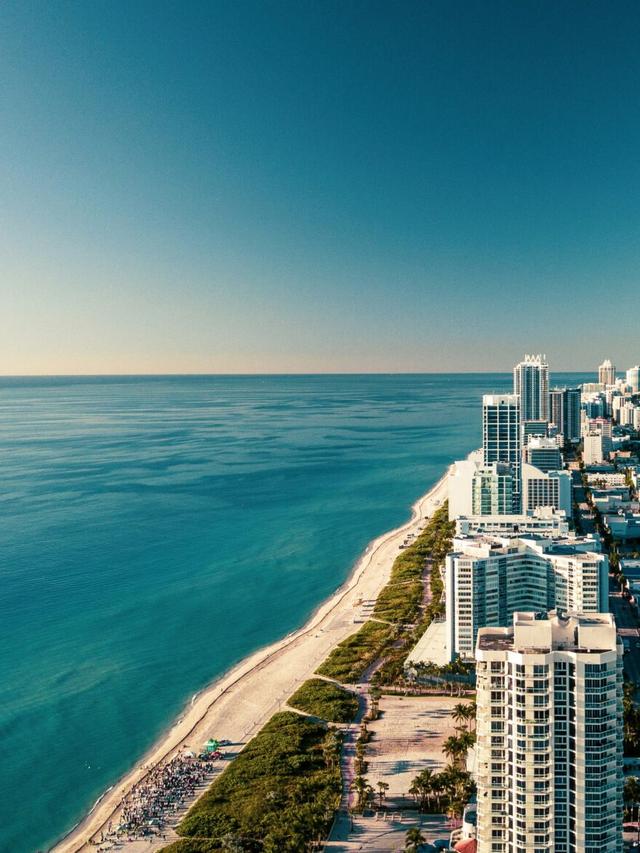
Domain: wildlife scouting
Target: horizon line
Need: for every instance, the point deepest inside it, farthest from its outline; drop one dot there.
(274, 373)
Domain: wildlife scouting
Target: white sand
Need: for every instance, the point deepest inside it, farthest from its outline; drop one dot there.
(238, 704)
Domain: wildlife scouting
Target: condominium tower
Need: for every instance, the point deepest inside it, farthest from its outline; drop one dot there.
(489, 577)
(501, 435)
(531, 383)
(607, 373)
(633, 378)
(565, 406)
(549, 735)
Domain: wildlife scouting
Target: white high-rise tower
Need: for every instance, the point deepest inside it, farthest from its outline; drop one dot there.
(531, 382)
(607, 373)
(633, 378)
(549, 735)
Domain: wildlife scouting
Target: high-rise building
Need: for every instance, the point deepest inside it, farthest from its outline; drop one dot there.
(501, 435)
(531, 383)
(543, 453)
(565, 404)
(549, 735)
(606, 373)
(633, 378)
(489, 577)
(492, 490)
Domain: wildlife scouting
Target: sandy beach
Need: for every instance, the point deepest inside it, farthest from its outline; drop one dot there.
(240, 702)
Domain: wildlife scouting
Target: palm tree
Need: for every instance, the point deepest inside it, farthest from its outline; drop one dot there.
(413, 840)
(364, 791)
(453, 748)
(471, 709)
(460, 713)
(426, 780)
(382, 787)
(467, 740)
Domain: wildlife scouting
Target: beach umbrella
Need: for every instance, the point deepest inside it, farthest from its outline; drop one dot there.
(211, 745)
(468, 845)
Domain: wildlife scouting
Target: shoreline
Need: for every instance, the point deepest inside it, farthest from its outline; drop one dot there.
(239, 702)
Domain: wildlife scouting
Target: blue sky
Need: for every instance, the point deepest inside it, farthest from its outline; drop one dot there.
(318, 186)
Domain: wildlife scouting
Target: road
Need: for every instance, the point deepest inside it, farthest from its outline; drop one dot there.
(628, 624)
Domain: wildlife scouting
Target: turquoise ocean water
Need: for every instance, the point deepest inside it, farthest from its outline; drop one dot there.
(153, 531)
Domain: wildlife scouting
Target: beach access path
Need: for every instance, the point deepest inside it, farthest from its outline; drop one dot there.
(237, 705)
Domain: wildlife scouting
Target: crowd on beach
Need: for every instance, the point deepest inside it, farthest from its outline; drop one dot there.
(164, 791)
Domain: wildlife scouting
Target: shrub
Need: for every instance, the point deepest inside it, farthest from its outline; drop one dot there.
(348, 661)
(280, 793)
(323, 699)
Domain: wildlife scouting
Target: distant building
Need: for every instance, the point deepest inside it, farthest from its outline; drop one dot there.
(623, 525)
(633, 378)
(546, 489)
(549, 735)
(544, 453)
(565, 405)
(492, 490)
(594, 450)
(606, 373)
(531, 383)
(501, 434)
(489, 578)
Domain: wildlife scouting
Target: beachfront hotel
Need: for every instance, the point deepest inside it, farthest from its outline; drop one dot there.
(549, 735)
(488, 578)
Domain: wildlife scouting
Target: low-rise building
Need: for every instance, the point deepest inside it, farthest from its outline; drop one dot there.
(545, 521)
(623, 525)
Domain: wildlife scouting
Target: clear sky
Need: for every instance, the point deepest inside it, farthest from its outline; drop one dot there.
(318, 186)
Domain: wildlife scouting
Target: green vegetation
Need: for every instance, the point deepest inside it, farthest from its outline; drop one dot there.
(349, 660)
(400, 600)
(278, 796)
(325, 700)
(413, 840)
(631, 796)
(631, 717)
(399, 603)
(434, 543)
(445, 792)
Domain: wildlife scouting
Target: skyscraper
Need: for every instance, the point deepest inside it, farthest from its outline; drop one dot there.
(607, 373)
(531, 382)
(501, 435)
(633, 378)
(549, 735)
(564, 404)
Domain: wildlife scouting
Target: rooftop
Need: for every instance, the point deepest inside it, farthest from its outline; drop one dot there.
(542, 633)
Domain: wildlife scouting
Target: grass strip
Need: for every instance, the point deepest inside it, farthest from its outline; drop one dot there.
(348, 661)
(277, 796)
(325, 700)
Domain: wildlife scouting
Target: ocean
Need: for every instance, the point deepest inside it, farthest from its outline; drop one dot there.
(155, 530)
